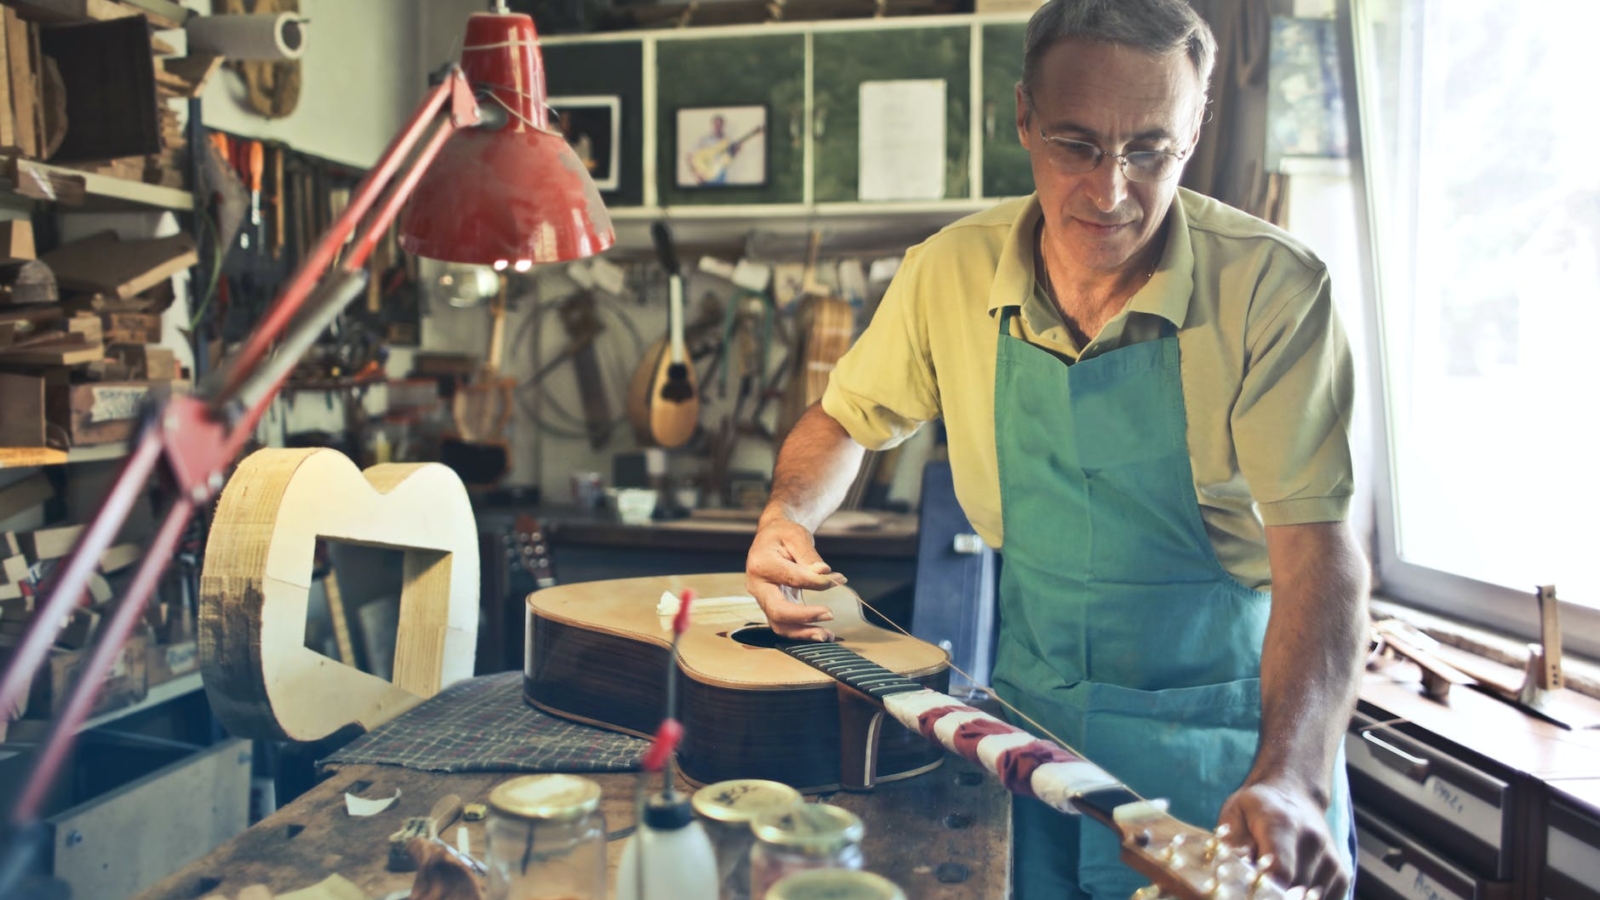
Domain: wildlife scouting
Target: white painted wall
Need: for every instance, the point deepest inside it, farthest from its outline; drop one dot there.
(360, 79)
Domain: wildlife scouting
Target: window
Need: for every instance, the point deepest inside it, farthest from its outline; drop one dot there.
(1477, 138)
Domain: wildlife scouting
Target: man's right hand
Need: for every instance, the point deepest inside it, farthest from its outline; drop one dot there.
(782, 562)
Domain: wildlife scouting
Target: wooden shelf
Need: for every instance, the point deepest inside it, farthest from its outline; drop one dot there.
(21, 457)
(161, 693)
(29, 731)
(42, 181)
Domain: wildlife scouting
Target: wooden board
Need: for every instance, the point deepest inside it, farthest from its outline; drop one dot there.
(50, 543)
(255, 584)
(120, 556)
(21, 496)
(97, 412)
(123, 841)
(24, 86)
(124, 684)
(73, 10)
(16, 240)
(104, 264)
(22, 418)
(188, 75)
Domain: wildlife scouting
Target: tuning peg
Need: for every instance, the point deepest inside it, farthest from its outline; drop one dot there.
(1215, 846)
(1261, 881)
(1149, 892)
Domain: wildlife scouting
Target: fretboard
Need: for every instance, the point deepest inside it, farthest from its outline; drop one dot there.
(849, 667)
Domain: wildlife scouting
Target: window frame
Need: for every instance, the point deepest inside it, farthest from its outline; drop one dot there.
(1496, 607)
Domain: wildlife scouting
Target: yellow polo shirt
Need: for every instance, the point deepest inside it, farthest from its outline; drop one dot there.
(1266, 370)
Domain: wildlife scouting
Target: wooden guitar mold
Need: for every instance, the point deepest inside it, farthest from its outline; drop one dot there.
(260, 677)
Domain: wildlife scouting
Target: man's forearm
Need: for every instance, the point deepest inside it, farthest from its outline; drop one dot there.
(1310, 664)
(816, 465)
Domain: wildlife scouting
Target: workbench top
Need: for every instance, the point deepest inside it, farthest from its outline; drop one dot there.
(944, 835)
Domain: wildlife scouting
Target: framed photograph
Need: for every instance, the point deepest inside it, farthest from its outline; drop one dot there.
(591, 126)
(721, 146)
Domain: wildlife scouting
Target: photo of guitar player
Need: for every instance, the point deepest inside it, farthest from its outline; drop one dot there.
(590, 125)
(722, 146)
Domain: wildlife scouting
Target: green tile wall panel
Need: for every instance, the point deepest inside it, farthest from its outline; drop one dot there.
(607, 70)
(1005, 162)
(759, 70)
(843, 60)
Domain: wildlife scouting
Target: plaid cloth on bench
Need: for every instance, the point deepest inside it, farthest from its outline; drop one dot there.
(483, 725)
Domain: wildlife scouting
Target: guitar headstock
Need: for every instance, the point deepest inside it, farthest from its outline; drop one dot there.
(1188, 863)
(530, 551)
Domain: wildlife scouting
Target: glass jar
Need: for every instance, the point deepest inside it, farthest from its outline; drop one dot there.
(547, 839)
(726, 809)
(835, 884)
(804, 836)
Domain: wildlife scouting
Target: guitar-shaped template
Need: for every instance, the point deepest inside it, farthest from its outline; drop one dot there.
(598, 652)
(710, 164)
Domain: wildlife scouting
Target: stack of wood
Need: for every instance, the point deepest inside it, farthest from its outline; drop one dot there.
(98, 95)
(26, 559)
(73, 372)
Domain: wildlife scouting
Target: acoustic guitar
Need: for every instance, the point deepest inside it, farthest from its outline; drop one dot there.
(826, 328)
(598, 653)
(665, 405)
(710, 164)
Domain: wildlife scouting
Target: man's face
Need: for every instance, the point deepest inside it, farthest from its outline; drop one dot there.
(717, 125)
(1119, 99)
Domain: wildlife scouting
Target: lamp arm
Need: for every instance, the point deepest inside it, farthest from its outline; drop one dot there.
(198, 436)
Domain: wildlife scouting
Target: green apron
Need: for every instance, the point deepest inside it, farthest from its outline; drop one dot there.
(1120, 630)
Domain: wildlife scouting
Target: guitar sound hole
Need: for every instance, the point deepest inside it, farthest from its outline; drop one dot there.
(759, 636)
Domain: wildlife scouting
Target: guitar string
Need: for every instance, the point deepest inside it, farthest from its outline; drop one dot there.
(1250, 864)
(989, 692)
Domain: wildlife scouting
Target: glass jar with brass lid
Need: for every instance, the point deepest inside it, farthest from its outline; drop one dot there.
(727, 808)
(547, 839)
(835, 884)
(802, 837)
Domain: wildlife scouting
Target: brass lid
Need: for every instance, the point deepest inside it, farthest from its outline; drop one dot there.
(812, 828)
(743, 799)
(545, 797)
(835, 884)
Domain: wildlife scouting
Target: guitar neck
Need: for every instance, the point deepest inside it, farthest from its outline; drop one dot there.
(675, 318)
(1187, 862)
(849, 667)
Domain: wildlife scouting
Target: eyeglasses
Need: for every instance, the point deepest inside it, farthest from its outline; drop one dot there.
(1077, 157)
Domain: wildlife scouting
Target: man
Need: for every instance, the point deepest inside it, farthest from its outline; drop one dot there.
(1148, 397)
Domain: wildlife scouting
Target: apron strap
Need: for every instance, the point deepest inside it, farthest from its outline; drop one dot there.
(1006, 312)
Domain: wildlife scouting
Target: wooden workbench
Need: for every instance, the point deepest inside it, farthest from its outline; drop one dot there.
(944, 835)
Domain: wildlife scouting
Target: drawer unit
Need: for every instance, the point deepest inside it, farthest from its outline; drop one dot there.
(1572, 854)
(1390, 866)
(1452, 807)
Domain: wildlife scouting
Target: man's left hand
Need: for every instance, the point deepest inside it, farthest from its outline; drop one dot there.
(1289, 824)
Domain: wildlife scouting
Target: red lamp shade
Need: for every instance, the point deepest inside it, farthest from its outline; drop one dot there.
(512, 196)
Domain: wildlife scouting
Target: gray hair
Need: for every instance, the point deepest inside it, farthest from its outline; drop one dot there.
(1160, 27)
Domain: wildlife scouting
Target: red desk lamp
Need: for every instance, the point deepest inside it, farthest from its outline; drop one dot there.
(489, 183)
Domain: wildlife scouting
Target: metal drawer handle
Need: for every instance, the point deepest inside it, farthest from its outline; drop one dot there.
(1413, 767)
(1394, 858)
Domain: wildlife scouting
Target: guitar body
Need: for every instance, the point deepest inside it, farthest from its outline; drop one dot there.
(672, 421)
(665, 409)
(598, 653)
